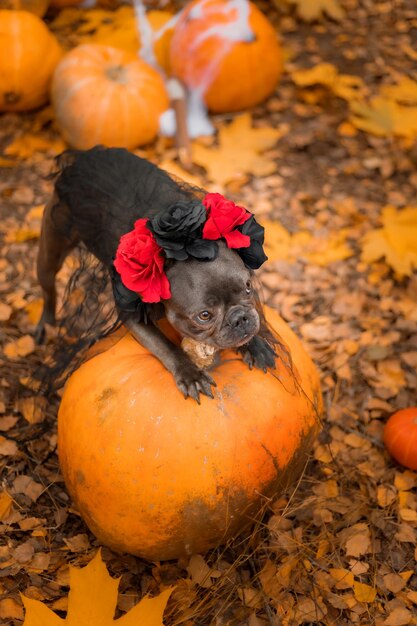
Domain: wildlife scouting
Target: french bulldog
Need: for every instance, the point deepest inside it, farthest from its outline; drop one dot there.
(171, 250)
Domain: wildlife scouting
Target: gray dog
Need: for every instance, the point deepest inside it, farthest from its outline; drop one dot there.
(172, 251)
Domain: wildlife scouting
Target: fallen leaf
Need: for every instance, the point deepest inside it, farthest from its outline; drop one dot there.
(344, 86)
(405, 91)
(394, 582)
(400, 616)
(92, 600)
(200, 572)
(396, 241)
(364, 593)
(6, 502)
(34, 310)
(310, 10)
(344, 579)
(20, 347)
(10, 609)
(5, 312)
(238, 152)
(8, 447)
(383, 117)
(178, 172)
(358, 545)
(26, 145)
(32, 409)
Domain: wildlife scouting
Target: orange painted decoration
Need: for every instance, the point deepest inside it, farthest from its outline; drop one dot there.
(400, 437)
(104, 95)
(249, 70)
(159, 476)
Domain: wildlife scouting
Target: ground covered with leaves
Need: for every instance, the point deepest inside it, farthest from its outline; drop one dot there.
(328, 164)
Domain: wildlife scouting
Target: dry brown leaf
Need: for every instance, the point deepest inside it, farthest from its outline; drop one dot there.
(394, 582)
(239, 151)
(8, 447)
(359, 544)
(201, 574)
(32, 409)
(5, 312)
(343, 577)
(400, 616)
(10, 609)
(26, 485)
(386, 495)
(20, 347)
(344, 86)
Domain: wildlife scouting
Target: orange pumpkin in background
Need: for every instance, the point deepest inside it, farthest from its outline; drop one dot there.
(38, 7)
(400, 437)
(159, 476)
(104, 95)
(29, 53)
(232, 75)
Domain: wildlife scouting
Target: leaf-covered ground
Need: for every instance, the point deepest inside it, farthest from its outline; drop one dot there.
(341, 549)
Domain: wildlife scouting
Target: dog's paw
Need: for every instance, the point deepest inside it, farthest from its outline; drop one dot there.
(258, 353)
(192, 381)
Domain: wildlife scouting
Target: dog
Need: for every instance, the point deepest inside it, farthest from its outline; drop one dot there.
(171, 250)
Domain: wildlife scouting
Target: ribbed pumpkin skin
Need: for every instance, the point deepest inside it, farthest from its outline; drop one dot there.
(248, 72)
(104, 95)
(29, 53)
(400, 437)
(159, 476)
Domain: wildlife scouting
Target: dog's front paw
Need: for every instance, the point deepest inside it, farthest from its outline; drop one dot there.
(192, 381)
(258, 353)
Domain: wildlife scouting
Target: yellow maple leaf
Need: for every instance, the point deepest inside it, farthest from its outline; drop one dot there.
(92, 601)
(344, 86)
(239, 151)
(310, 10)
(382, 116)
(396, 240)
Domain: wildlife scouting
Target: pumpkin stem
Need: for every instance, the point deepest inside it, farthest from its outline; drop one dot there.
(116, 73)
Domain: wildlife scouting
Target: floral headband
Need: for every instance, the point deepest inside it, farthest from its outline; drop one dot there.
(186, 229)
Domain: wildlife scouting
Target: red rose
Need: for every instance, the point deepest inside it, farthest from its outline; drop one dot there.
(141, 265)
(224, 216)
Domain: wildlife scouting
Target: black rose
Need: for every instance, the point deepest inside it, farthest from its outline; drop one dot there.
(178, 230)
(253, 256)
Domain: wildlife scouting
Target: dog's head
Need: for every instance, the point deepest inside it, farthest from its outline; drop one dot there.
(213, 302)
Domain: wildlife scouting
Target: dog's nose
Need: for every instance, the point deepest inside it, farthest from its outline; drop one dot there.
(238, 319)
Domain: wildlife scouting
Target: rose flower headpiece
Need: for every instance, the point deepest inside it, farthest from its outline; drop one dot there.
(186, 229)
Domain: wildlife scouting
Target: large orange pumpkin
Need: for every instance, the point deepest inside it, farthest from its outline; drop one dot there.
(159, 476)
(232, 75)
(104, 95)
(29, 53)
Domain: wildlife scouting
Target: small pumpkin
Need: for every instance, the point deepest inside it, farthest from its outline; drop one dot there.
(400, 437)
(205, 55)
(104, 95)
(29, 54)
(38, 7)
(159, 476)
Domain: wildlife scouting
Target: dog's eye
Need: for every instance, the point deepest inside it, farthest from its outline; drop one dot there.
(248, 287)
(204, 316)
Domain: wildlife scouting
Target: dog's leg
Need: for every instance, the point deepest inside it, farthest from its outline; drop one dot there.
(53, 248)
(190, 380)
